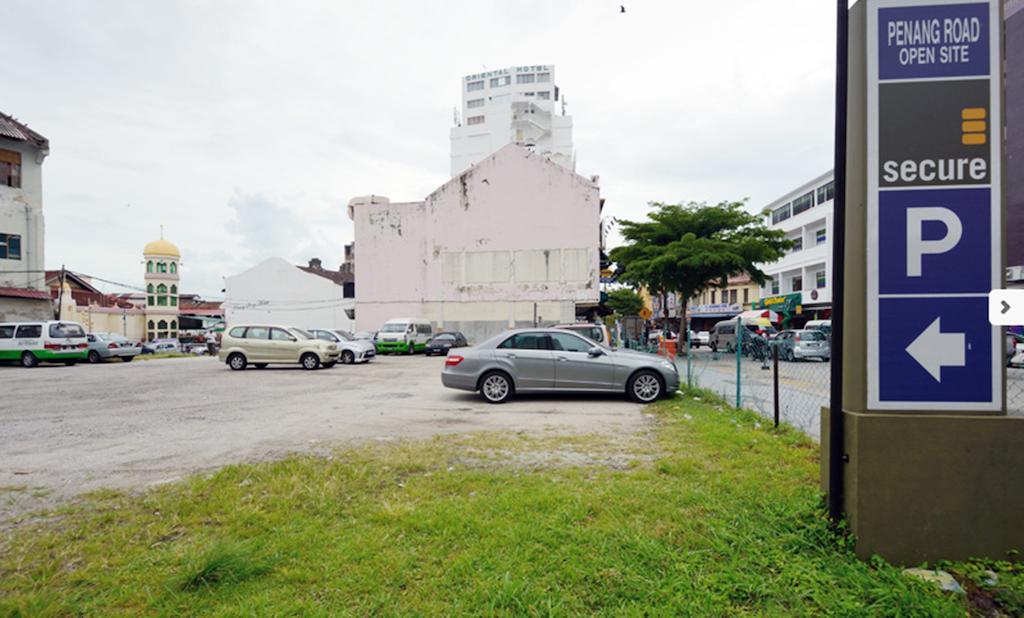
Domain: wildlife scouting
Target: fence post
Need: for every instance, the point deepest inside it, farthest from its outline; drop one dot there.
(739, 361)
(689, 362)
(775, 379)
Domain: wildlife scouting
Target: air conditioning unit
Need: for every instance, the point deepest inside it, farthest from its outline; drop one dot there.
(1015, 274)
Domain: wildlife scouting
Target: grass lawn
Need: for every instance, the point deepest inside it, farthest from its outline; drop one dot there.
(712, 514)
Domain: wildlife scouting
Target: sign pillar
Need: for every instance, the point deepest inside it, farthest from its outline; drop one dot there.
(931, 465)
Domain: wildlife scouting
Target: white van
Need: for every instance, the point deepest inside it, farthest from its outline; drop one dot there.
(409, 335)
(723, 335)
(825, 326)
(31, 343)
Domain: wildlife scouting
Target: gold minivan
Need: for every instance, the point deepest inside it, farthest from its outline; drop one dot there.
(261, 345)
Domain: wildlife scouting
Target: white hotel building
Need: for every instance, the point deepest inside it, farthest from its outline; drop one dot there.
(519, 104)
(805, 215)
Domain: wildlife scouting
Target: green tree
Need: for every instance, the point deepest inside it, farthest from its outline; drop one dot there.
(689, 248)
(625, 301)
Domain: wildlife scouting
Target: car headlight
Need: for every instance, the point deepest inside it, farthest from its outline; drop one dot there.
(669, 366)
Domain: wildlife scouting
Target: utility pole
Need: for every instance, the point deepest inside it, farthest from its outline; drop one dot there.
(60, 294)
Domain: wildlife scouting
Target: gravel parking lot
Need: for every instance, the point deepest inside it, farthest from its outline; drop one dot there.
(65, 430)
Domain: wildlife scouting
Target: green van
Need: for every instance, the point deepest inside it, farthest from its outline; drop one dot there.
(31, 343)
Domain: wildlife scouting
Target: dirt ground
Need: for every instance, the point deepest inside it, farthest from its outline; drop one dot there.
(68, 430)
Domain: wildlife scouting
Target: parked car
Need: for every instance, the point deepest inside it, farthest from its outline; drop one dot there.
(442, 342)
(825, 326)
(262, 345)
(103, 346)
(31, 343)
(364, 335)
(409, 335)
(161, 346)
(596, 332)
(1014, 350)
(800, 344)
(352, 350)
(723, 335)
(551, 359)
(699, 339)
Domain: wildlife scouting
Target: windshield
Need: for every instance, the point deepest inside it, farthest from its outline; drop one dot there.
(393, 328)
(342, 335)
(444, 337)
(302, 334)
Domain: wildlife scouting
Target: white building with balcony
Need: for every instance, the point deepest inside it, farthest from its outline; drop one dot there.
(520, 105)
(805, 215)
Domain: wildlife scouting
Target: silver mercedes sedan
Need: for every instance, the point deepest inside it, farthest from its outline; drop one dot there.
(550, 359)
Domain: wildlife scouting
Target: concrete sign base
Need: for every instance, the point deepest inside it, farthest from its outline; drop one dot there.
(933, 487)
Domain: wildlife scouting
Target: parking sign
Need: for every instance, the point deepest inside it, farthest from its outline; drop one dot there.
(934, 204)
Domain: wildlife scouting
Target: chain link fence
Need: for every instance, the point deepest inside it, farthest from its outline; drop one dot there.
(746, 378)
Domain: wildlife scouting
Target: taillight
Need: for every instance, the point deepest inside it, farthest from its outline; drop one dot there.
(797, 338)
(51, 346)
(111, 346)
(453, 360)
(83, 346)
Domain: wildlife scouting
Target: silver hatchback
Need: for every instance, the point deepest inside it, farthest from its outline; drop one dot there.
(538, 360)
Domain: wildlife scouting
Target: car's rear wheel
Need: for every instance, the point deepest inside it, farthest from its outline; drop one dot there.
(260, 365)
(94, 357)
(496, 387)
(29, 359)
(347, 357)
(237, 361)
(127, 359)
(309, 361)
(644, 387)
(330, 364)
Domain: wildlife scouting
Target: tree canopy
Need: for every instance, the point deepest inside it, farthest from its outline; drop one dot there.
(687, 248)
(625, 301)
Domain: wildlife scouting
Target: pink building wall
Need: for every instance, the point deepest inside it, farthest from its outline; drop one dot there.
(514, 230)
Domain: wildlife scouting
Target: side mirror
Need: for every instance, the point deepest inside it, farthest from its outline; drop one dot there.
(595, 351)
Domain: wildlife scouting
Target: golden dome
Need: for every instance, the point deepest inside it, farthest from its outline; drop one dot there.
(161, 247)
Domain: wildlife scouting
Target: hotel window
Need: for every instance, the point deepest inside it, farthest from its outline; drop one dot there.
(543, 77)
(819, 279)
(780, 214)
(149, 266)
(545, 95)
(798, 244)
(746, 295)
(174, 268)
(475, 120)
(500, 81)
(473, 103)
(820, 236)
(712, 297)
(525, 78)
(826, 192)
(732, 296)
(471, 86)
(10, 169)
(803, 203)
(10, 247)
(798, 283)
(161, 267)
(775, 286)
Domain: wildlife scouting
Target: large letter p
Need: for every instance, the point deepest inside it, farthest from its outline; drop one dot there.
(916, 247)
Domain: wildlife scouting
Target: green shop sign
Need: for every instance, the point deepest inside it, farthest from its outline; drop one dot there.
(786, 303)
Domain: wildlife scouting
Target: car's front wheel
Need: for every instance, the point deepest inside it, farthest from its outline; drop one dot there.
(94, 357)
(644, 387)
(496, 387)
(310, 361)
(29, 359)
(127, 359)
(347, 357)
(237, 361)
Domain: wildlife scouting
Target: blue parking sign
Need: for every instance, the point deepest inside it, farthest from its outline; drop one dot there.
(934, 160)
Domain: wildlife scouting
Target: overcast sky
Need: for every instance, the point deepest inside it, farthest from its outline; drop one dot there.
(245, 127)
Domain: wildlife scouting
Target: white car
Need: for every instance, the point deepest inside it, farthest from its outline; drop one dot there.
(352, 350)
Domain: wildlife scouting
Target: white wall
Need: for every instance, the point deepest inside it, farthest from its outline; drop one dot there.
(278, 292)
(477, 254)
(21, 212)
